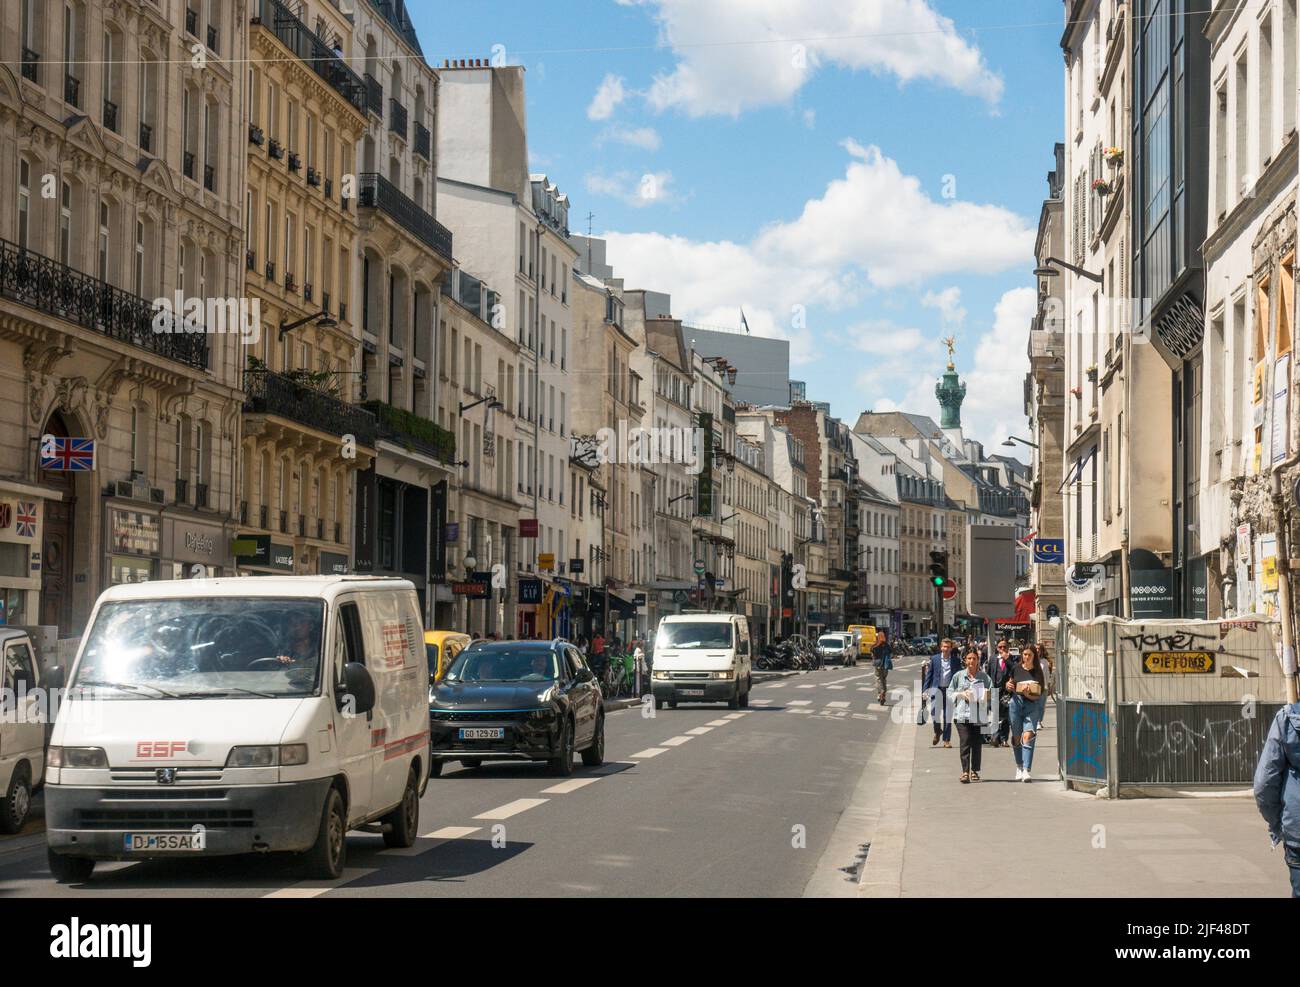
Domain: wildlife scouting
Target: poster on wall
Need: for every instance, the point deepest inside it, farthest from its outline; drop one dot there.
(1281, 432)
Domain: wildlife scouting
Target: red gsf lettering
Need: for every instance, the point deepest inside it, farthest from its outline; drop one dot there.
(160, 748)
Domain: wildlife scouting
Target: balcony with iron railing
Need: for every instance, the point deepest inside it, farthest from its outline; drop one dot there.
(297, 400)
(31, 63)
(377, 192)
(423, 140)
(209, 178)
(49, 286)
(397, 118)
(212, 38)
(374, 95)
(146, 138)
(413, 432)
(187, 164)
(110, 115)
(72, 90)
(263, 516)
(200, 495)
(308, 46)
(191, 21)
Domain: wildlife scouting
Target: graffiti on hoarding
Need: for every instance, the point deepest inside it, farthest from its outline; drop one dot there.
(1215, 739)
(1177, 641)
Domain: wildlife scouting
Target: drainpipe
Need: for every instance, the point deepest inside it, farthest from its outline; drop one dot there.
(1284, 576)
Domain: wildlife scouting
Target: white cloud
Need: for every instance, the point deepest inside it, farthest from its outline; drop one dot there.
(652, 188)
(948, 302)
(645, 138)
(874, 228)
(608, 95)
(736, 55)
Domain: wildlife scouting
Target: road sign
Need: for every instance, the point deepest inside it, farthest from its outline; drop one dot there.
(991, 570)
(1049, 551)
(949, 612)
(699, 567)
(949, 591)
(1178, 662)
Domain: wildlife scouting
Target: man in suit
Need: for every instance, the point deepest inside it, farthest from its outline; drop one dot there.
(938, 672)
(999, 668)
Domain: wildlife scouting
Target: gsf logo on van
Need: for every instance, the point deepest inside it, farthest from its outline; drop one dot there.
(161, 748)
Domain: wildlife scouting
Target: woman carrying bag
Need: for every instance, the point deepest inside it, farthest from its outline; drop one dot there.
(970, 689)
(1027, 685)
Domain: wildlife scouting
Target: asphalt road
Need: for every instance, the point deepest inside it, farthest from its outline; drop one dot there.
(696, 801)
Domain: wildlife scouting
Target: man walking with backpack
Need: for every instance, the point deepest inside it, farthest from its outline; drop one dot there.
(1277, 787)
(882, 659)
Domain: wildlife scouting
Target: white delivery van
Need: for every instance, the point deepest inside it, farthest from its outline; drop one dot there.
(23, 717)
(227, 716)
(702, 657)
(839, 646)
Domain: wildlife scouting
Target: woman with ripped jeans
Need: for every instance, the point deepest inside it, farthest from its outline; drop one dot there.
(1027, 684)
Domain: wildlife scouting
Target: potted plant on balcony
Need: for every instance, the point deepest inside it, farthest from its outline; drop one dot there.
(256, 135)
(1101, 187)
(275, 149)
(295, 161)
(1091, 372)
(1114, 156)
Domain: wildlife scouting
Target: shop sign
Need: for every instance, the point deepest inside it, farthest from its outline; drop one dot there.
(134, 532)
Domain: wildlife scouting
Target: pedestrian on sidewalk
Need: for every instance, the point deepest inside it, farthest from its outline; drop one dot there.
(1277, 787)
(1028, 688)
(971, 690)
(1000, 672)
(939, 671)
(882, 658)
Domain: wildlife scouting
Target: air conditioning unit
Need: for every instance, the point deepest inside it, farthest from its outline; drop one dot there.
(136, 490)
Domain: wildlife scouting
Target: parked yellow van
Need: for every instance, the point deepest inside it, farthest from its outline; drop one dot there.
(442, 648)
(866, 638)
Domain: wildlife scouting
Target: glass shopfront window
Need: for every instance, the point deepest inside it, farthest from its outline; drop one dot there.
(127, 569)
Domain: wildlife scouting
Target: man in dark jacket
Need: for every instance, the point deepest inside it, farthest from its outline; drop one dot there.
(938, 672)
(1277, 787)
(882, 657)
(999, 668)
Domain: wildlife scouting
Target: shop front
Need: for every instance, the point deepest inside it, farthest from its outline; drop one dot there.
(22, 509)
(258, 555)
(195, 548)
(133, 553)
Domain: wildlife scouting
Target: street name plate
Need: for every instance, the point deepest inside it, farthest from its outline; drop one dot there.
(1178, 662)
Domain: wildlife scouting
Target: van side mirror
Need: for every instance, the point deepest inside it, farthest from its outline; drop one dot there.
(358, 689)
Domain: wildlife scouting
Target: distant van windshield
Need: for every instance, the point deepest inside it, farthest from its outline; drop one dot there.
(716, 634)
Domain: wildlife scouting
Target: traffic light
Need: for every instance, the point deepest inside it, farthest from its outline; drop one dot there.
(938, 569)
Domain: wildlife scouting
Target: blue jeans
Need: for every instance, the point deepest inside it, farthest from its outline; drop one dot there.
(1026, 714)
(1293, 861)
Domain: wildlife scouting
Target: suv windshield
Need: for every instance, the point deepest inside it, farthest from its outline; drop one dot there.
(503, 665)
(203, 648)
(714, 634)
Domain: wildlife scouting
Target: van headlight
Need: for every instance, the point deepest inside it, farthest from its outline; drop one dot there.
(724, 675)
(76, 757)
(267, 756)
(661, 675)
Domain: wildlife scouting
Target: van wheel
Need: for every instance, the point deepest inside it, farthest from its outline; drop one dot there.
(744, 698)
(402, 823)
(734, 701)
(17, 802)
(326, 858)
(69, 870)
(562, 763)
(594, 756)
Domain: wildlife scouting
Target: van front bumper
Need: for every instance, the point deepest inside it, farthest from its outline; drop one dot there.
(693, 690)
(98, 822)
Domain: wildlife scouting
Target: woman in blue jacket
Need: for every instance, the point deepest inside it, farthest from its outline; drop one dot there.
(1277, 787)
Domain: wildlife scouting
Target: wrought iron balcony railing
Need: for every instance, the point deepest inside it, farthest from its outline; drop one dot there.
(200, 495)
(303, 42)
(271, 393)
(187, 164)
(397, 118)
(110, 115)
(31, 63)
(374, 95)
(72, 91)
(377, 192)
(209, 178)
(146, 138)
(212, 38)
(423, 140)
(412, 431)
(56, 289)
(191, 21)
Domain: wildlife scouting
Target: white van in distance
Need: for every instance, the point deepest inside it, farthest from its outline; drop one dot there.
(239, 716)
(702, 658)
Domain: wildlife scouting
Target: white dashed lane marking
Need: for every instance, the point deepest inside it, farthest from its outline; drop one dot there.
(451, 832)
(838, 705)
(651, 752)
(800, 702)
(699, 731)
(717, 723)
(675, 741)
(565, 787)
(511, 809)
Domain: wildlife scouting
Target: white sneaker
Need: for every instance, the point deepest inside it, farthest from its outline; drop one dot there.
(1026, 777)
(1019, 774)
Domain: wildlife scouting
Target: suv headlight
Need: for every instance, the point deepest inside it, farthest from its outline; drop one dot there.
(267, 756)
(76, 757)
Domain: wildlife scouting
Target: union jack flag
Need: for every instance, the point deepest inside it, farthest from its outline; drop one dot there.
(26, 526)
(58, 453)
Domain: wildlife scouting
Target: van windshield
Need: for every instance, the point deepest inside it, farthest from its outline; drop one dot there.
(831, 641)
(713, 634)
(203, 648)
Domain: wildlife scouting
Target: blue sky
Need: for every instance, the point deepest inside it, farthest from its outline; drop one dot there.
(863, 176)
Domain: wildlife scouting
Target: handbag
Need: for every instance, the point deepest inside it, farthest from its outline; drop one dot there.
(921, 713)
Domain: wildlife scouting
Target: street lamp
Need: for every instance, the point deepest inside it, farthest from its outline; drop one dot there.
(322, 319)
(495, 405)
(1011, 441)
(1046, 270)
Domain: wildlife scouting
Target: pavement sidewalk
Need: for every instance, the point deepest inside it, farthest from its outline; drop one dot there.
(1079, 845)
